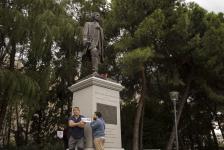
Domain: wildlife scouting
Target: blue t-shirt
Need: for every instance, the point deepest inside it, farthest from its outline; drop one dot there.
(98, 128)
(76, 132)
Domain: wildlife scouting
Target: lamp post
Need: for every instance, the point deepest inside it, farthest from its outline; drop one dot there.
(174, 97)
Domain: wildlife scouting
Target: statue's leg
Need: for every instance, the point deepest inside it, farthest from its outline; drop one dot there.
(86, 64)
(95, 59)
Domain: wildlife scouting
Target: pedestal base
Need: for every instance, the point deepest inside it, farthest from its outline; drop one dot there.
(96, 94)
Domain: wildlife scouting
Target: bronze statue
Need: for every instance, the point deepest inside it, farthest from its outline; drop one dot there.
(93, 39)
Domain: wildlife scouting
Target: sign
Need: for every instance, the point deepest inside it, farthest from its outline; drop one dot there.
(87, 120)
(60, 134)
(108, 112)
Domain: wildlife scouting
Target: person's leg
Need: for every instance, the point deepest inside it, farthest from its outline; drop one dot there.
(80, 144)
(96, 143)
(65, 143)
(103, 141)
(99, 143)
(71, 143)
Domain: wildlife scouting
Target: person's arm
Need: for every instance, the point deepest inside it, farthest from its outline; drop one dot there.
(81, 124)
(94, 124)
(72, 123)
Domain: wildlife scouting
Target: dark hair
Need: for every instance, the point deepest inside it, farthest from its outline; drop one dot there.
(98, 114)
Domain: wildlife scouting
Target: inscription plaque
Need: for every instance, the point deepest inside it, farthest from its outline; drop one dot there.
(109, 113)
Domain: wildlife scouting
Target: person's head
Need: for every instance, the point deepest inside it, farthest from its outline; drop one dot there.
(76, 111)
(96, 16)
(97, 115)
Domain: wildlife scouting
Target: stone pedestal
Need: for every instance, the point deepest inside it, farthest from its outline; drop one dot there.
(96, 94)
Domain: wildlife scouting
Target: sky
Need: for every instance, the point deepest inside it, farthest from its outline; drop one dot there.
(210, 5)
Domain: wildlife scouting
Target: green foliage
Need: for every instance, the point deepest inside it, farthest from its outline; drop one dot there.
(170, 40)
(150, 28)
(127, 110)
(186, 40)
(125, 43)
(212, 94)
(16, 85)
(134, 61)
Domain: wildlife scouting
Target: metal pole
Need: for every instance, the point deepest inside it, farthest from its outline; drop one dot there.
(175, 118)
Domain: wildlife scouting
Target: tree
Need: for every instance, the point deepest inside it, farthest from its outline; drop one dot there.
(134, 63)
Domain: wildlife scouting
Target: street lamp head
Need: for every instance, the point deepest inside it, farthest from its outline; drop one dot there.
(174, 95)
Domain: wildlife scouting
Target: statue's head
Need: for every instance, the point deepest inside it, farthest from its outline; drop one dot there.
(96, 16)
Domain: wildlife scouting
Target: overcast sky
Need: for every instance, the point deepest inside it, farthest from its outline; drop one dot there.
(210, 5)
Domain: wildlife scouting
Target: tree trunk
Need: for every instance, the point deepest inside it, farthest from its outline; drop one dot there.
(3, 108)
(9, 126)
(214, 111)
(138, 115)
(179, 112)
(215, 139)
(12, 55)
(141, 129)
(217, 118)
(4, 100)
(220, 127)
(192, 142)
(2, 48)
(27, 129)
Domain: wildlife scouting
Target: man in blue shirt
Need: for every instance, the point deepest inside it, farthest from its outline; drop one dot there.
(76, 130)
(98, 128)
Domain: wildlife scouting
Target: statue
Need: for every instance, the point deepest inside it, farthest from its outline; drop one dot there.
(93, 39)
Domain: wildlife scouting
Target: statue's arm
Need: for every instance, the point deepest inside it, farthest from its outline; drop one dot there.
(102, 35)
